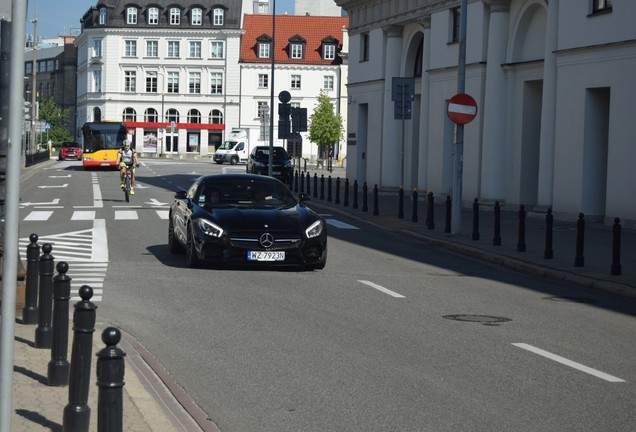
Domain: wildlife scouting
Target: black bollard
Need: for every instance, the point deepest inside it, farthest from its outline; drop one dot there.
(308, 184)
(365, 197)
(616, 247)
(296, 181)
(475, 219)
(346, 193)
(549, 223)
(301, 181)
(315, 185)
(401, 203)
(355, 194)
(521, 244)
(580, 235)
(496, 240)
(430, 210)
(110, 383)
(449, 208)
(337, 190)
(30, 311)
(376, 205)
(322, 186)
(414, 215)
(44, 331)
(58, 366)
(329, 196)
(77, 413)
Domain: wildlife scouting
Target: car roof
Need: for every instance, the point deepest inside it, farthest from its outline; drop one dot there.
(238, 176)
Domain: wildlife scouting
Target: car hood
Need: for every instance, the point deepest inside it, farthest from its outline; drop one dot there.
(237, 219)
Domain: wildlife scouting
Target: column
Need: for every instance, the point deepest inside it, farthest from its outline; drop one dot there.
(422, 164)
(392, 133)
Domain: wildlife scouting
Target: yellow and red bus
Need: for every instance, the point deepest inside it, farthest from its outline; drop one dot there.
(102, 141)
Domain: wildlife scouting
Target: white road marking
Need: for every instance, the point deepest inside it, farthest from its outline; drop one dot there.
(382, 289)
(38, 216)
(55, 202)
(340, 224)
(53, 186)
(83, 215)
(572, 364)
(126, 215)
(156, 203)
(163, 214)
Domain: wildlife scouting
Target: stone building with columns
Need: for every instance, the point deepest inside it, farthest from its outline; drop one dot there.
(553, 82)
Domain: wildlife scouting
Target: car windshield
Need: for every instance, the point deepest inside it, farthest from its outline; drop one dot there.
(244, 194)
(279, 153)
(70, 145)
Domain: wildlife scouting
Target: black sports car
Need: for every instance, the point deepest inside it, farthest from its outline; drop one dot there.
(246, 219)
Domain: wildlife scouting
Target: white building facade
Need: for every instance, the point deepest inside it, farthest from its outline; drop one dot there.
(553, 81)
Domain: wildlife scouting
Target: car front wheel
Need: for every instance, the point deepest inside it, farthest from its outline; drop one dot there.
(173, 243)
(192, 260)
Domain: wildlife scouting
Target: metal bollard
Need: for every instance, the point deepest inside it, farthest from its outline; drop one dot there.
(308, 184)
(616, 247)
(110, 383)
(376, 208)
(401, 203)
(44, 331)
(58, 369)
(301, 181)
(296, 181)
(355, 194)
(77, 412)
(475, 219)
(496, 240)
(346, 193)
(430, 210)
(414, 215)
(337, 190)
(521, 243)
(449, 208)
(580, 234)
(30, 311)
(315, 185)
(329, 197)
(549, 223)
(322, 186)
(365, 197)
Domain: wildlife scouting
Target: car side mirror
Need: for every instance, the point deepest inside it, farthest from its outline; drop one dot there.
(180, 194)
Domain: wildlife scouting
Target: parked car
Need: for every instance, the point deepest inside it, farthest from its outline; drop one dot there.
(258, 163)
(69, 150)
(246, 219)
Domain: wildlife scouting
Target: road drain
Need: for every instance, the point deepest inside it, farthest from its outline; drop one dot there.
(571, 299)
(481, 319)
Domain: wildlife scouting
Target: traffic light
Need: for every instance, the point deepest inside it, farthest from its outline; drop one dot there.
(283, 120)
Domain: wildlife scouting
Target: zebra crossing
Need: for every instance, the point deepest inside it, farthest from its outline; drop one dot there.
(83, 215)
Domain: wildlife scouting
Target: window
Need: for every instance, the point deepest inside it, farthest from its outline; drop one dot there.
(131, 15)
(327, 82)
(173, 49)
(151, 115)
(455, 23)
(172, 115)
(195, 49)
(263, 50)
(329, 52)
(216, 83)
(296, 51)
(130, 81)
(197, 16)
(130, 48)
(129, 115)
(175, 16)
(152, 48)
(173, 82)
(263, 81)
(218, 16)
(102, 16)
(262, 107)
(601, 6)
(151, 82)
(153, 16)
(97, 48)
(217, 49)
(216, 117)
(364, 47)
(97, 81)
(194, 116)
(295, 82)
(194, 83)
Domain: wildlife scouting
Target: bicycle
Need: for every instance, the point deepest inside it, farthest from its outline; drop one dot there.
(127, 181)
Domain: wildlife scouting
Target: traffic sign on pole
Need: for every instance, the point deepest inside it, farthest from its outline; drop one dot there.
(462, 108)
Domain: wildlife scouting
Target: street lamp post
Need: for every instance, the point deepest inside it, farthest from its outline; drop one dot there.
(271, 96)
(162, 129)
(33, 84)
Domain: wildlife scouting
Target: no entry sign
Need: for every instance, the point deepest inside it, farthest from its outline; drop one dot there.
(462, 108)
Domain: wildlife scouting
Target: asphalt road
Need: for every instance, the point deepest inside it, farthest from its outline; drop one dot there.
(390, 336)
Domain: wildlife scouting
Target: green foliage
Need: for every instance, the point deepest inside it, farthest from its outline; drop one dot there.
(50, 112)
(326, 127)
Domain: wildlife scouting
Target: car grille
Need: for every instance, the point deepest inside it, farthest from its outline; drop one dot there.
(281, 242)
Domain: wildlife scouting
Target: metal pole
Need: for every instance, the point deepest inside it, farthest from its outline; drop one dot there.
(271, 97)
(12, 200)
(33, 82)
(456, 215)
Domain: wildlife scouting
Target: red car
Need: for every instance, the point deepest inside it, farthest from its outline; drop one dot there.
(70, 150)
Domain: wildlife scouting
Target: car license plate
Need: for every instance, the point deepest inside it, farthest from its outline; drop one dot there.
(105, 164)
(265, 256)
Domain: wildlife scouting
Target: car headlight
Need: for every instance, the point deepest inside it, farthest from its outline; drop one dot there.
(314, 229)
(209, 228)
(288, 163)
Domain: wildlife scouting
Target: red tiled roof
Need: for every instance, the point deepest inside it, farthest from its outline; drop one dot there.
(311, 28)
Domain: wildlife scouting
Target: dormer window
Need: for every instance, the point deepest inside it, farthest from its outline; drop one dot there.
(131, 15)
(197, 16)
(102, 16)
(297, 47)
(153, 16)
(175, 16)
(218, 17)
(329, 48)
(264, 46)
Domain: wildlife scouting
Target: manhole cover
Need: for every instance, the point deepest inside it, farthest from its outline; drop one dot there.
(571, 299)
(481, 319)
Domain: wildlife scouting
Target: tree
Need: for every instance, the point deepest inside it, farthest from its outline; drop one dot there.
(326, 128)
(56, 117)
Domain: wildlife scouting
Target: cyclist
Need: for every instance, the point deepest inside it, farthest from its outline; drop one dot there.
(127, 159)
